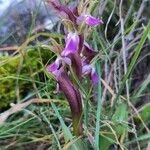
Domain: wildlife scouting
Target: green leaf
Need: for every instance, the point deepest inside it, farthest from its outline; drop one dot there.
(106, 141)
(145, 114)
(121, 113)
(119, 117)
(78, 145)
(141, 138)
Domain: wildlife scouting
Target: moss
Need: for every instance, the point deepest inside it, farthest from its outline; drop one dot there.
(17, 73)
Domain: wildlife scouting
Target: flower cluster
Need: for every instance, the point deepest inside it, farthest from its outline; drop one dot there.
(74, 58)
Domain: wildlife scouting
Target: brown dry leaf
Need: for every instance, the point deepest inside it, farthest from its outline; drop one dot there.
(19, 107)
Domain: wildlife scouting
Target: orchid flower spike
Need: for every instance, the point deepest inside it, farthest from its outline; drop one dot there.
(78, 55)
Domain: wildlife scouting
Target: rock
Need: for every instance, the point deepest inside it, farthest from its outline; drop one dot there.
(18, 16)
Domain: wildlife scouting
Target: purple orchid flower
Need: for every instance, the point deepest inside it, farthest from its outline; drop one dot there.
(71, 54)
(72, 50)
(74, 16)
(89, 20)
(55, 65)
(79, 60)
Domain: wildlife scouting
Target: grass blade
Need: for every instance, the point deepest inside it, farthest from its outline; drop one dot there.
(99, 92)
(134, 59)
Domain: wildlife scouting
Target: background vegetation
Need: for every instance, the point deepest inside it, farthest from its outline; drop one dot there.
(116, 112)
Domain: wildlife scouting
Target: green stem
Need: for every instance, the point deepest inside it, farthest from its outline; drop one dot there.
(77, 124)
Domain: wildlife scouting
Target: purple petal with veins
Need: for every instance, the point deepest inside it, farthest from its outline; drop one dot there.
(53, 68)
(72, 44)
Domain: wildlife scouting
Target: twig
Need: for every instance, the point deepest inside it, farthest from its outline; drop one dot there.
(138, 115)
(9, 48)
(102, 6)
(129, 11)
(109, 19)
(108, 81)
(148, 146)
(19, 107)
(124, 53)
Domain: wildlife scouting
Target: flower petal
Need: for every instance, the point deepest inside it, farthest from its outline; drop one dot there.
(67, 60)
(89, 69)
(88, 52)
(52, 67)
(86, 69)
(80, 19)
(94, 76)
(72, 44)
(92, 21)
(89, 20)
